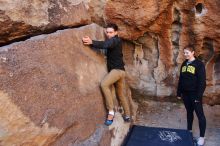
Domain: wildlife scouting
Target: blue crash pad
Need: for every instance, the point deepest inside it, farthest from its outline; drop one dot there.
(154, 136)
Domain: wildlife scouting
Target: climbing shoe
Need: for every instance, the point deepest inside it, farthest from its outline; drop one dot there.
(127, 118)
(109, 120)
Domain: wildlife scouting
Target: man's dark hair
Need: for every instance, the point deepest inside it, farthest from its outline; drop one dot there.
(112, 25)
(190, 47)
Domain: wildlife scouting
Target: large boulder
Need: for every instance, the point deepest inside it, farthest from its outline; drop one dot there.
(50, 93)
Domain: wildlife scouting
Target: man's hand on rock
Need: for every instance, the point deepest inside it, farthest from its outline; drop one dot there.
(87, 40)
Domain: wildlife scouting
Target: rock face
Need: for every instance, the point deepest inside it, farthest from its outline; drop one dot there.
(157, 32)
(20, 19)
(50, 83)
(49, 91)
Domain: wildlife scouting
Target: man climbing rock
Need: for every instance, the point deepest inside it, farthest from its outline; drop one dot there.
(116, 75)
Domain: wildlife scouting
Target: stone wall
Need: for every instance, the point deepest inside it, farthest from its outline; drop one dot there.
(156, 33)
(50, 82)
(21, 19)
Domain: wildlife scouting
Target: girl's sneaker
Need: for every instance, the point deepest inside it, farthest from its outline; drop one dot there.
(200, 141)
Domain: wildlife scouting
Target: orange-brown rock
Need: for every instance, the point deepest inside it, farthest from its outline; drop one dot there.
(49, 90)
(207, 38)
(159, 31)
(21, 19)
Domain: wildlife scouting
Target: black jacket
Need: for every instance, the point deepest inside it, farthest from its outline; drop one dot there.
(192, 79)
(114, 52)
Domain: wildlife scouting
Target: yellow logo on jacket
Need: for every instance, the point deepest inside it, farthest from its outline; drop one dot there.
(190, 69)
(184, 69)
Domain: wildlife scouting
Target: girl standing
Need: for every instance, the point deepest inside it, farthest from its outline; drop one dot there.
(192, 83)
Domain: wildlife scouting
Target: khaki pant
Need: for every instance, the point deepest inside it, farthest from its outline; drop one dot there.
(117, 77)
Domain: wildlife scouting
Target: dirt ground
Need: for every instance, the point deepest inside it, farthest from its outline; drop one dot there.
(173, 115)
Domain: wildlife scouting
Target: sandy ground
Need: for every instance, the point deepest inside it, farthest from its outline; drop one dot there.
(173, 115)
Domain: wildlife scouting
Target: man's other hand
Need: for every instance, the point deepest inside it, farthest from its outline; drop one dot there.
(178, 97)
(87, 40)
